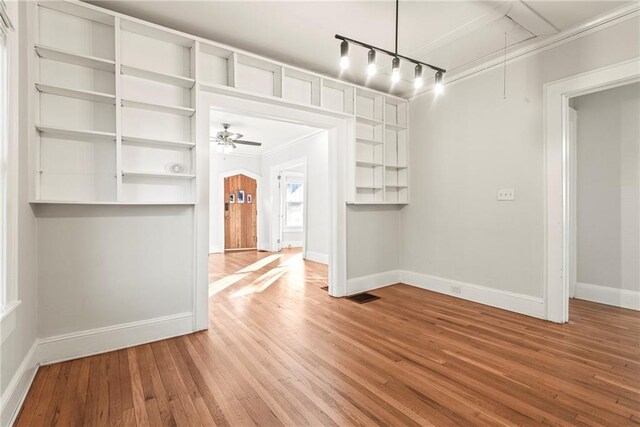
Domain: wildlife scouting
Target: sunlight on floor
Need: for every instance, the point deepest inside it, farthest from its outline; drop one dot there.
(229, 280)
(267, 279)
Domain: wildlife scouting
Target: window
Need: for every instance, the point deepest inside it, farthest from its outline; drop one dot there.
(7, 56)
(294, 203)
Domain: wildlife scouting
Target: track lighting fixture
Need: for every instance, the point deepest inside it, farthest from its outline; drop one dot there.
(371, 68)
(344, 55)
(395, 63)
(439, 85)
(395, 70)
(417, 83)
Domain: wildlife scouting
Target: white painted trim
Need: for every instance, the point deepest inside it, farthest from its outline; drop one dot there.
(16, 391)
(101, 340)
(291, 143)
(372, 281)
(557, 154)
(317, 257)
(611, 296)
(293, 244)
(215, 249)
(277, 203)
(518, 303)
(601, 22)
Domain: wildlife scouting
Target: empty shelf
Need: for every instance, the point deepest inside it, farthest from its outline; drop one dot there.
(366, 187)
(152, 141)
(83, 135)
(368, 120)
(61, 55)
(396, 186)
(160, 108)
(396, 167)
(159, 175)
(368, 141)
(368, 164)
(170, 79)
(75, 93)
(394, 127)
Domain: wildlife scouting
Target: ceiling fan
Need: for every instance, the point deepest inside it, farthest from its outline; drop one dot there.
(226, 141)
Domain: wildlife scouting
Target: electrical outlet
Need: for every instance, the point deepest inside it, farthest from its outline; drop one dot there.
(456, 290)
(506, 194)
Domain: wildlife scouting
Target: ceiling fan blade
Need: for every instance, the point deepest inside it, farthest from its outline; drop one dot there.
(235, 136)
(253, 143)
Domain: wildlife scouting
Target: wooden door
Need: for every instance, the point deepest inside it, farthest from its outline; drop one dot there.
(240, 213)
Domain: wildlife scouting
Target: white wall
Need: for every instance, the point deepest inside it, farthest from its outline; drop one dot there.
(608, 188)
(18, 338)
(454, 228)
(219, 165)
(106, 265)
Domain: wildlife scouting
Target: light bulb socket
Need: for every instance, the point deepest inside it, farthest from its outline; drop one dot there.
(344, 49)
(372, 57)
(439, 77)
(395, 64)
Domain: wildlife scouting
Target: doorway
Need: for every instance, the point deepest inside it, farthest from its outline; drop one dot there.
(240, 213)
(559, 192)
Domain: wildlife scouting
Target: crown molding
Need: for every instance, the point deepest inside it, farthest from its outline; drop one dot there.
(603, 21)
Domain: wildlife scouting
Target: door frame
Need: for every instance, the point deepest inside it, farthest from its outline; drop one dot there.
(341, 132)
(558, 157)
(221, 202)
(277, 202)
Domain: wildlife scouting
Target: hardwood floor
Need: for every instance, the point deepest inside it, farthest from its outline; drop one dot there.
(280, 351)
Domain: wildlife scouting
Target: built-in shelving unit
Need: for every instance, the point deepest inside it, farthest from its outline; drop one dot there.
(115, 110)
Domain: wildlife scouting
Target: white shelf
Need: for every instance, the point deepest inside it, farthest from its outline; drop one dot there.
(396, 186)
(75, 93)
(368, 121)
(151, 141)
(396, 167)
(373, 202)
(158, 175)
(68, 57)
(394, 127)
(160, 108)
(369, 141)
(84, 135)
(367, 187)
(170, 79)
(72, 202)
(369, 164)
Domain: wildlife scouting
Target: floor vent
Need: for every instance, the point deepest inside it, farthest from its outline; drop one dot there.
(363, 298)
(325, 288)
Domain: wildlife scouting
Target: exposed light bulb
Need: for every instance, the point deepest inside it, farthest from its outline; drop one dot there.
(395, 70)
(418, 82)
(371, 68)
(438, 88)
(344, 55)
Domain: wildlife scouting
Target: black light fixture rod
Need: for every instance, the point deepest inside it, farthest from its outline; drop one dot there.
(387, 52)
(397, 4)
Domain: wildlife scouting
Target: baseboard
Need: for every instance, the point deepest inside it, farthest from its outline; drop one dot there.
(95, 341)
(292, 243)
(16, 391)
(519, 303)
(372, 281)
(317, 257)
(610, 296)
(215, 249)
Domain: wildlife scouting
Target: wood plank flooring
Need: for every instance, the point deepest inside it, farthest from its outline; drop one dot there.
(280, 351)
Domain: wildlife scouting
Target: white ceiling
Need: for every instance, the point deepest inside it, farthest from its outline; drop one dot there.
(271, 133)
(450, 34)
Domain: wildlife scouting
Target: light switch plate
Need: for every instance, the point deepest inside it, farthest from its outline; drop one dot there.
(506, 194)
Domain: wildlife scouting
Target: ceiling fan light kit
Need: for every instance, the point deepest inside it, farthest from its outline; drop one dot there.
(226, 141)
(395, 62)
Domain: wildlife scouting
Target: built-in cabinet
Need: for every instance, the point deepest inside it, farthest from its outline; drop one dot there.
(115, 100)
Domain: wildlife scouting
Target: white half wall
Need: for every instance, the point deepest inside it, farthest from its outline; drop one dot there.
(608, 189)
(100, 266)
(454, 227)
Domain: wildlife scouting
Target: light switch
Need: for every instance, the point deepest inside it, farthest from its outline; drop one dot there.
(506, 194)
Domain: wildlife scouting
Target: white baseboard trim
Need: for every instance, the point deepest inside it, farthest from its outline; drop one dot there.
(95, 341)
(519, 303)
(317, 257)
(292, 243)
(372, 281)
(15, 393)
(610, 296)
(215, 249)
